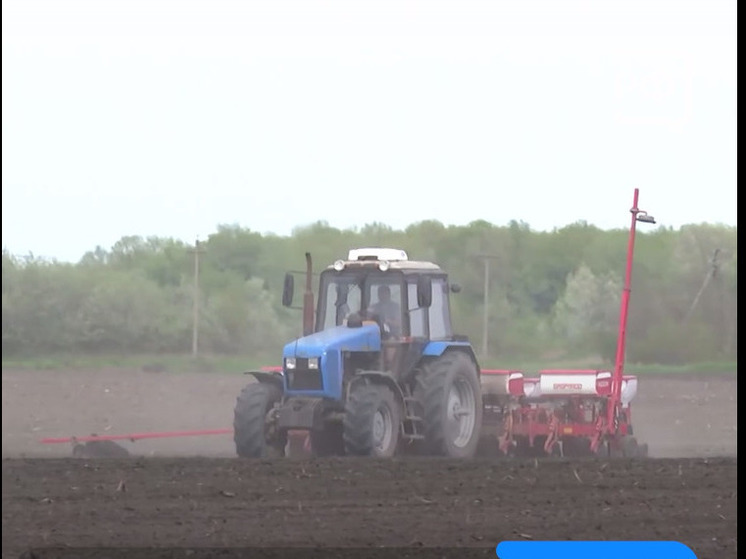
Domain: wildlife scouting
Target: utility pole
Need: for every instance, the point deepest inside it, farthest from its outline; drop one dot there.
(711, 273)
(196, 251)
(486, 317)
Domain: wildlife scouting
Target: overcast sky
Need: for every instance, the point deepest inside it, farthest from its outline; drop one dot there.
(170, 118)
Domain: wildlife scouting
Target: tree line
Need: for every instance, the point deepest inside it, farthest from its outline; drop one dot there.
(550, 293)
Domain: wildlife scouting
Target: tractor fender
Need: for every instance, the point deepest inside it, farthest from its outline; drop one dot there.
(380, 377)
(438, 348)
(271, 378)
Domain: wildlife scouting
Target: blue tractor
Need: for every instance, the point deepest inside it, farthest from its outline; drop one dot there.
(378, 371)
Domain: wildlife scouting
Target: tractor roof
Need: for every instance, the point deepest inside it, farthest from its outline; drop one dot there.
(384, 259)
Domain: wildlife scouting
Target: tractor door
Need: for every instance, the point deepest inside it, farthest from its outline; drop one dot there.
(406, 351)
(439, 313)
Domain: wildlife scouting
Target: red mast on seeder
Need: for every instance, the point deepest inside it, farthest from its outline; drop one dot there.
(614, 406)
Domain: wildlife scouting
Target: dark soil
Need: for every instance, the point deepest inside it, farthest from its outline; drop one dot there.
(219, 502)
(191, 497)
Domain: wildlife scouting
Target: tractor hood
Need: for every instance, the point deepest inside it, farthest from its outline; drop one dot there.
(339, 338)
(325, 349)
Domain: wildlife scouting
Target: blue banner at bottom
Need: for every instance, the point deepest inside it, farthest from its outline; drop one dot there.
(593, 550)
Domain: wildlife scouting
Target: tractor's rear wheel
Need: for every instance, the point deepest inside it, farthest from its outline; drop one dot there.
(253, 435)
(372, 421)
(451, 396)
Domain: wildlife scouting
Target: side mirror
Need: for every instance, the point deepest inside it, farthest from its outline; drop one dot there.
(424, 291)
(455, 288)
(287, 290)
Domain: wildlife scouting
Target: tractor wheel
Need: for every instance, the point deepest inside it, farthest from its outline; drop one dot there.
(253, 436)
(372, 421)
(451, 395)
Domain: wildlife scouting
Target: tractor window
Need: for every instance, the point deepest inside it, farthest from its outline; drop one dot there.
(394, 289)
(388, 308)
(342, 298)
(440, 318)
(343, 294)
(417, 325)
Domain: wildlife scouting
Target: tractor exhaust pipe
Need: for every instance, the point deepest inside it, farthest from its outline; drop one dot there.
(308, 310)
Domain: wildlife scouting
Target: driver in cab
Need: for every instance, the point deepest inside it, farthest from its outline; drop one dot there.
(388, 311)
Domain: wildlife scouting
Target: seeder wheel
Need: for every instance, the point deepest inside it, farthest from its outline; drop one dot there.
(629, 446)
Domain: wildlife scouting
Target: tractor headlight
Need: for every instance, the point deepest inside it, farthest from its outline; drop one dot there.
(290, 363)
(339, 265)
(313, 363)
(383, 265)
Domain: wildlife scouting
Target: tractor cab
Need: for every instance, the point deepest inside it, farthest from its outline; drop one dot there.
(407, 300)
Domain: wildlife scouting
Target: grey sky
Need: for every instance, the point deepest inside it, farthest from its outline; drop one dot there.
(169, 118)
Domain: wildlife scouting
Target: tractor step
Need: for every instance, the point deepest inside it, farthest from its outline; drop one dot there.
(411, 419)
(408, 401)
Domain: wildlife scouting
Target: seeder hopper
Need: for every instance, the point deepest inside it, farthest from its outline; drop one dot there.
(569, 412)
(559, 412)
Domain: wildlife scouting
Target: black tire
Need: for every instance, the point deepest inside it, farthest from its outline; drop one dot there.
(251, 434)
(624, 447)
(446, 435)
(370, 409)
(630, 448)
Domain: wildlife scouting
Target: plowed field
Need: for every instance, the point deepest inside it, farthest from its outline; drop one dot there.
(193, 493)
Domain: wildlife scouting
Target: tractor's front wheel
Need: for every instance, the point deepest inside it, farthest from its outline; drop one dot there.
(451, 396)
(372, 421)
(254, 435)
